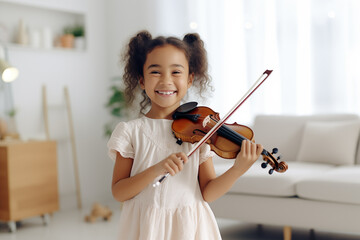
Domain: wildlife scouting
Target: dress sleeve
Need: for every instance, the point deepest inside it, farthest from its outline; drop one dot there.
(120, 141)
(205, 153)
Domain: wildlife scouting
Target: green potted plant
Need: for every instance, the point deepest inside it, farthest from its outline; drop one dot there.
(79, 33)
(73, 37)
(116, 105)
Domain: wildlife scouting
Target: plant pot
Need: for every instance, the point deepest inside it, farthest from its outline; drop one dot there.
(79, 43)
(67, 41)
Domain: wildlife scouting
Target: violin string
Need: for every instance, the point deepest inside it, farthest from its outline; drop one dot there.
(230, 134)
(236, 137)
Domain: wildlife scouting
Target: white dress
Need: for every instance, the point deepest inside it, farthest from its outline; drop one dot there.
(175, 210)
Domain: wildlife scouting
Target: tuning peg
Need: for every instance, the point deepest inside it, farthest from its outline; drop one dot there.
(271, 171)
(279, 157)
(274, 151)
(264, 164)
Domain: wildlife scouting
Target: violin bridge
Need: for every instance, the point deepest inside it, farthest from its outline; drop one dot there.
(206, 120)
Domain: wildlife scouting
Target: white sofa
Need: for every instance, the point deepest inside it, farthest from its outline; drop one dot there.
(321, 188)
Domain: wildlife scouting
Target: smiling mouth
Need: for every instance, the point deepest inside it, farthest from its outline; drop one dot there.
(166, 93)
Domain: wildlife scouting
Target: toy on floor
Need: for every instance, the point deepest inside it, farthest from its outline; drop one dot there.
(98, 211)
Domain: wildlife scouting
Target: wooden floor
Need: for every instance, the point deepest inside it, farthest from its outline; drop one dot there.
(70, 225)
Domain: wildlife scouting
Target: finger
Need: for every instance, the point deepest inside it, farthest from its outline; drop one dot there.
(182, 156)
(243, 147)
(178, 162)
(169, 169)
(253, 148)
(259, 149)
(173, 165)
(247, 147)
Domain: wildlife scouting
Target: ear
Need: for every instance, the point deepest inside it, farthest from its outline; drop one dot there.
(141, 82)
(191, 79)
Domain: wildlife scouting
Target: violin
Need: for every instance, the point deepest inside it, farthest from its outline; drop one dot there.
(188, 116)
(192, 123)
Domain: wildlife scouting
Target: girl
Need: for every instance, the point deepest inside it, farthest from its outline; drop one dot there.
(144, 149)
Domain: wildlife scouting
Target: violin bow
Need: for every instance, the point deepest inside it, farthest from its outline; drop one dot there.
(251, 90)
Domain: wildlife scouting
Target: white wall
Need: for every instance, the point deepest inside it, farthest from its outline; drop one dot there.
(126, 18)
(109, 26)
(86, 75)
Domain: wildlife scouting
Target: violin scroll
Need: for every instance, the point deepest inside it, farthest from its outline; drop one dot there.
(273, 162)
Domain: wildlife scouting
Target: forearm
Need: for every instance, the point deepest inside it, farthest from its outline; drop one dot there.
(221, 184)
(218, 186)
(128, 188)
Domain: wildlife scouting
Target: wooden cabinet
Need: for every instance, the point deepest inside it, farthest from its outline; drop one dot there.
(28, 179)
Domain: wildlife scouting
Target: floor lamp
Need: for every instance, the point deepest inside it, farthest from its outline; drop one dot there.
(8, 74)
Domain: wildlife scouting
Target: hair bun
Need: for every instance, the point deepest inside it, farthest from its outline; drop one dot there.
(191, 38)
(144, 36)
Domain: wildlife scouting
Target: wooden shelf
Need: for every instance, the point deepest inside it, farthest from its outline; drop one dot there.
(19, 47)
(43, 23)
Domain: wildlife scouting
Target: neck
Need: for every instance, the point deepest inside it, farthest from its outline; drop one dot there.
(161, 113)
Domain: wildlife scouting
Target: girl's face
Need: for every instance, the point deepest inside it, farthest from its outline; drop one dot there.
(166, 80)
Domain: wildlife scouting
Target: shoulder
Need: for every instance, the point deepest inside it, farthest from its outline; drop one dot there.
(129, 124)
(127, 127)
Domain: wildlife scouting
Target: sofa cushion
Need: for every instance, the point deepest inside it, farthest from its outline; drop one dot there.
(341, 184)
(257, 181)
(285, 132)
(329, 142)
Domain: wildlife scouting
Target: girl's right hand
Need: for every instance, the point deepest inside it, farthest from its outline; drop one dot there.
(172, 164)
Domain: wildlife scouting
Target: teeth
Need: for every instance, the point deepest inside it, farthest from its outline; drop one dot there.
(166, 93)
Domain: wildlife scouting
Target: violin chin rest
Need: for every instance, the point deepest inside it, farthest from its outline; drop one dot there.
(187, 107)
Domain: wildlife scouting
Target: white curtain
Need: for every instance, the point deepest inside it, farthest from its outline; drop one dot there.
(312, 46)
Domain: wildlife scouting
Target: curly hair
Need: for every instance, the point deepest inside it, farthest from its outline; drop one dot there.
(143, 43)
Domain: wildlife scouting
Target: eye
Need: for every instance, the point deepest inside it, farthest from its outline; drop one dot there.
(177, 72)
(154, 72)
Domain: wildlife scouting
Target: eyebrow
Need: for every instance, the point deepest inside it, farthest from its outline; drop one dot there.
(158, 65)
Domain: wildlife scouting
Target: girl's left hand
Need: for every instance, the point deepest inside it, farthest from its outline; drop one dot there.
(248, 154)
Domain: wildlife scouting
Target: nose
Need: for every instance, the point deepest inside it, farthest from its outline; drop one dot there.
(166, 78)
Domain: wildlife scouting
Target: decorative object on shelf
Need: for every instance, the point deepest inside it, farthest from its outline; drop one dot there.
(47, 38)
(34, 38)
(8, 74)
(22, 34)
(67, 40)
(73, 37)
(40, 25)
(4, 33)
(117, 106)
